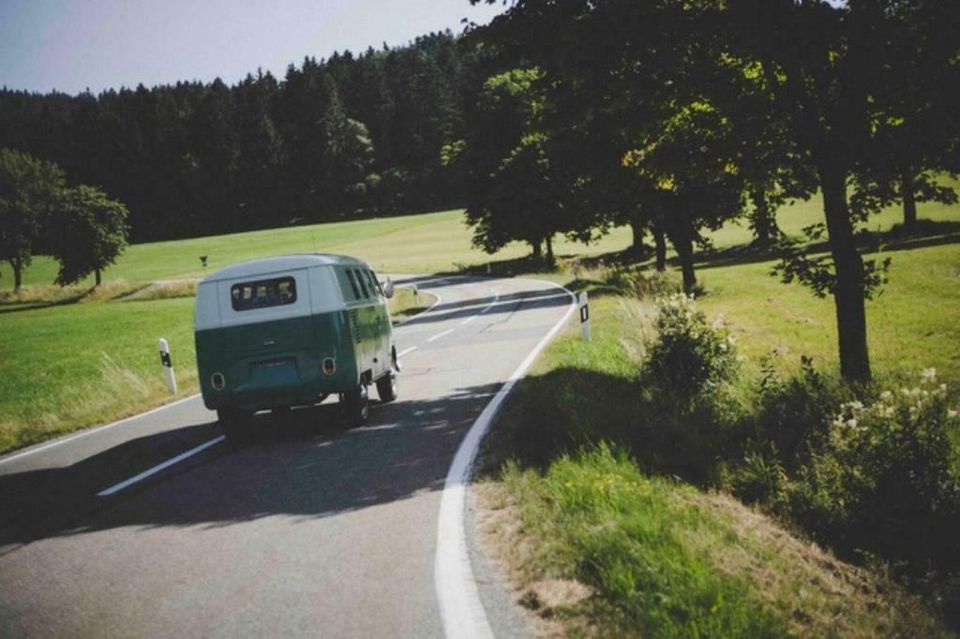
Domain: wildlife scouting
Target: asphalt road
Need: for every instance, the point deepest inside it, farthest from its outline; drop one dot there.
(312, 530)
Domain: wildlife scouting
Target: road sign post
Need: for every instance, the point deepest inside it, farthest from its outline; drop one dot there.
(167, 365)
(584, 315)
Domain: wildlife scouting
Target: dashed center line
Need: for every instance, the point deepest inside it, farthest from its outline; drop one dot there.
(439, 335)
(156, 469)
(112, 490)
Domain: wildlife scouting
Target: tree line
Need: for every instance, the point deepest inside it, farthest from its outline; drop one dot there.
(351, 135)
(675, 117)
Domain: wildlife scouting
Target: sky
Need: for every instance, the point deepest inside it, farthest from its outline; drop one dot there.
(73, 45)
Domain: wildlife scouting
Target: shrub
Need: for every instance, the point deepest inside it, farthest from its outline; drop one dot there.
(884, 481)
(688, 356)
(687, 376)
(794, 415)
(761, 479)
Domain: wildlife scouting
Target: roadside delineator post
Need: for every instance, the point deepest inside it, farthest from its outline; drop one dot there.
(167, 364)
(584, 315)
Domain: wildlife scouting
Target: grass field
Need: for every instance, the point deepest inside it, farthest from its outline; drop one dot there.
(61, 350)
(425, 243)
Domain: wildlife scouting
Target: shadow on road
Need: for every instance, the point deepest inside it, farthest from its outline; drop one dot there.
(304, 464)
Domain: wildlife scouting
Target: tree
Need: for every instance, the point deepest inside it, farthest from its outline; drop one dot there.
(827, 67)
(913, 116)
(87, 233)
(690, 157)
(29, 190)
(515, 190)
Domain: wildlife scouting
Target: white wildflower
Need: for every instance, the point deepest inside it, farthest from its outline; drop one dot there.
(929, 374)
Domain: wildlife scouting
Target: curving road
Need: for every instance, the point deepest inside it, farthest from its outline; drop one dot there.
(312, 530)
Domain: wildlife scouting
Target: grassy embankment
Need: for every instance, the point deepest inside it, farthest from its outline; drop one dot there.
(597, 547)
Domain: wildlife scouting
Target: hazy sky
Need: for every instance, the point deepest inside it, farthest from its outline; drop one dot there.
(71, 45)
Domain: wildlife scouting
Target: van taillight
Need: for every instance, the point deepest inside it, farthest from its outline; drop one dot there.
(218, 381)
(329, 366)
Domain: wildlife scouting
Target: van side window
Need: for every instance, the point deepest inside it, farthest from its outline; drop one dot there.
(363, 285)
(374, 284)
(353, 284)
(263, 293)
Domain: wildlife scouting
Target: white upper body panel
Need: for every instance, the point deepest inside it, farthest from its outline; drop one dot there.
(317, 290)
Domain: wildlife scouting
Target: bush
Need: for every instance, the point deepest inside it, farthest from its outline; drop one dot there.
(689, 356)
(687, 376)
(884, 482)
(793, 416)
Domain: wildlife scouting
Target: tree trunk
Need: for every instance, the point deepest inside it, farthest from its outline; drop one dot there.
(636, 247)
(848, 294)
(661, 248)
(17, 267)
(550, 259)
(537, 249)
(682, 240)
(764, 222)
(684, 248)
(909, 202)
(99, 279)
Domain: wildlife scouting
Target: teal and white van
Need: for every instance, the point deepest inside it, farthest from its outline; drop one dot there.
(288, 331)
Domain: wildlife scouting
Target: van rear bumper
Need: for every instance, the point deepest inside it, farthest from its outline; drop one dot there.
(254, 398)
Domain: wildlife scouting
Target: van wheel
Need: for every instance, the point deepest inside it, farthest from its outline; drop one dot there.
(387, 387)
(356, 405)
(237, 425)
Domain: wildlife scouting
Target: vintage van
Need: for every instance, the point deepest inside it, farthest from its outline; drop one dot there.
(288, 331)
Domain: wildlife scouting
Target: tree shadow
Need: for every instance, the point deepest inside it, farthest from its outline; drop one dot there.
(304, 463)
(929, 233)
(19, 307)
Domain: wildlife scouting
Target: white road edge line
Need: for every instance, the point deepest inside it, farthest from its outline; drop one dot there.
(406, 351)
(439, 335)
(460, 607)
(156, 469)
(84, 433)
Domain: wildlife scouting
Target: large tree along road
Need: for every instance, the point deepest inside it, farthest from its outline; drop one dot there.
(312, 530)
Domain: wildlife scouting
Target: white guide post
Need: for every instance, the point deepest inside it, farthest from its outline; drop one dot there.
(584, 315)
(167, 364)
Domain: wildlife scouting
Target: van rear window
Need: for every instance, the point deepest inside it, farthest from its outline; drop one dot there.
(263, 293)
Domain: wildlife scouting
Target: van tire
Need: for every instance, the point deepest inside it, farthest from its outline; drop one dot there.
(356, 405)
(237, 425)
(387, 387)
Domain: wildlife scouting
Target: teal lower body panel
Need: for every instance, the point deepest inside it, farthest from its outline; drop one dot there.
(288, 373)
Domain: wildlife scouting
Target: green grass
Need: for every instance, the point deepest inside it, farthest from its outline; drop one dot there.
(65, 367)
(913, 324)
(664, 560)
(425, 243)
(405, 303)
(661, 558)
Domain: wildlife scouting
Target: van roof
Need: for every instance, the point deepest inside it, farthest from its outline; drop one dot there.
(266, 266)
